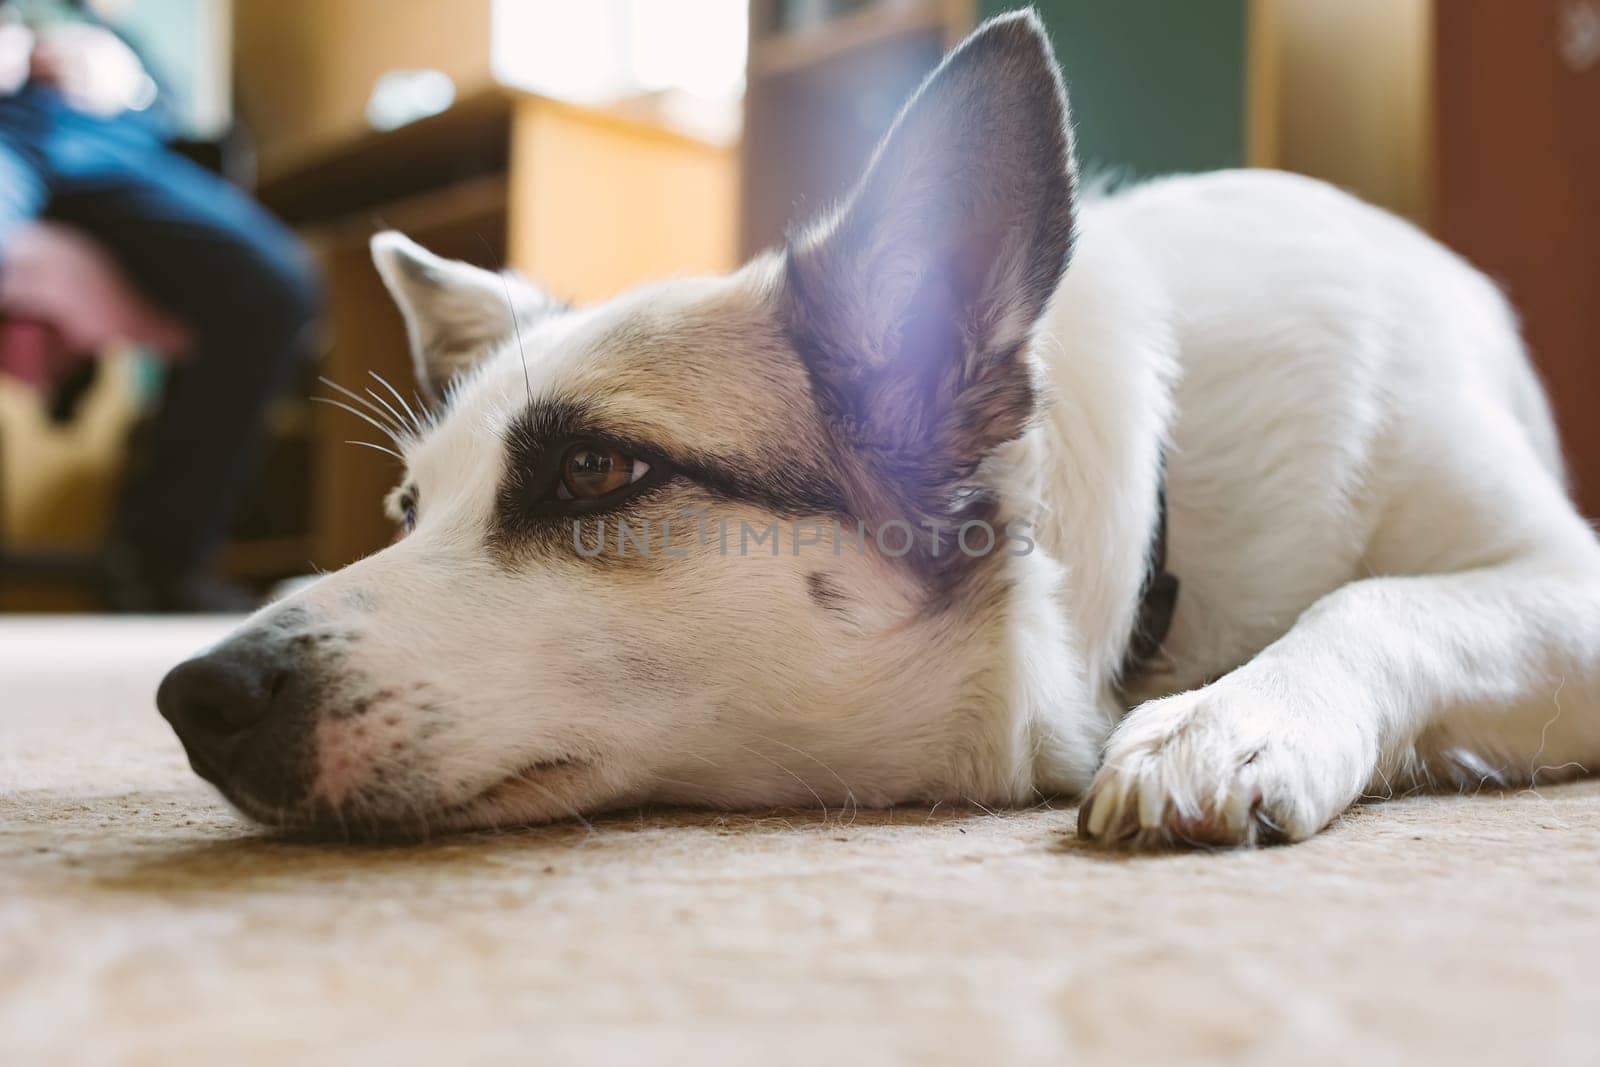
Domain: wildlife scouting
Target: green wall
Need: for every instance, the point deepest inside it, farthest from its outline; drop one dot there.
(1156, 85)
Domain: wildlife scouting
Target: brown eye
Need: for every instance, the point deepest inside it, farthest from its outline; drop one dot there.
(590, 471)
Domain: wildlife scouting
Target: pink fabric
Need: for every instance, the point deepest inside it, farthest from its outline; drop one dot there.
(34, 353)
(63, 300)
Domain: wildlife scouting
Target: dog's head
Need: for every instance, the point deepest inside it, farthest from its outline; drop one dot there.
(731, 541)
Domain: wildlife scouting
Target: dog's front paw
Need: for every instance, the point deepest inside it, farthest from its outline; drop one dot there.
(1207, 767)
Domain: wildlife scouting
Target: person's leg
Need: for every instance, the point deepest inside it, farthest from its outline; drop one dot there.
(241, 283)
(24, 182)
(27, 350)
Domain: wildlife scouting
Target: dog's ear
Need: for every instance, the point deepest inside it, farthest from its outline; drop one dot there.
(455, 313)
(913, 304)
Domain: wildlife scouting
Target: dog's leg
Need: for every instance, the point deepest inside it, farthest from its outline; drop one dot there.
(1492, 673)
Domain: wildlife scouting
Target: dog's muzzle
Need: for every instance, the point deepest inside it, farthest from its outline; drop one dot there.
(245, 713)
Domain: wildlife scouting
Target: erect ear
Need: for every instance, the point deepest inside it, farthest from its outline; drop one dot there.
(455, 313)
(914, 303)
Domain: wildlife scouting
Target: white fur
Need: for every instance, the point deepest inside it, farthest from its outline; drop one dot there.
(1383, 583)
(1380, 569)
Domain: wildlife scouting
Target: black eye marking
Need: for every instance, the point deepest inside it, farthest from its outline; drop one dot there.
(825, 594)
(528, 504)
(408, 503)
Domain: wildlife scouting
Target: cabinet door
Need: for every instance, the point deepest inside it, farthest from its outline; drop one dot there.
(1518, 186)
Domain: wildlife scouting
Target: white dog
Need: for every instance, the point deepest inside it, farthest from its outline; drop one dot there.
(879, 519)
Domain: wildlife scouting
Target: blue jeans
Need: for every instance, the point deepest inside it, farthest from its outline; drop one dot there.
(211, 258)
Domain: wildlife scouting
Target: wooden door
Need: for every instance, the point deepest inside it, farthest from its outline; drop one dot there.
(1518, 186)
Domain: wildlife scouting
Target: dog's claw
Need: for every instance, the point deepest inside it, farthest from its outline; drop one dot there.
(1239, 806)
(1098, 808)
(1085, 806)
(1152, 808)
(1189, 770)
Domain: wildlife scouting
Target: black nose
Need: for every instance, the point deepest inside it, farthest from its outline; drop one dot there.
(244, 714)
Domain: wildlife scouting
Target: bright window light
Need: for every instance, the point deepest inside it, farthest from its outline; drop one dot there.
(601, 51)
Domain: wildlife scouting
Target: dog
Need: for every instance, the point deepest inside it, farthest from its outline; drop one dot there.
(1220, 503)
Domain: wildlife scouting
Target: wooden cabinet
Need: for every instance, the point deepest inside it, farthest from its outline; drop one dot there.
(583, 201)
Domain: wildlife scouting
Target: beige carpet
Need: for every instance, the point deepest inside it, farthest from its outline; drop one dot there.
(140, 922)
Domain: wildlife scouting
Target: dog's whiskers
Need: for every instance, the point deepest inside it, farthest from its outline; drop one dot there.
(804, 784)
(379, 448)
(416, 421)
(516, 324)
(366, 403)
(388, 408)
(850, 796)
(571, 809)
(388, 431)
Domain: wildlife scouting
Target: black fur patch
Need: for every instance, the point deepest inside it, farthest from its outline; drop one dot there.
(824, 593)
(527, 513)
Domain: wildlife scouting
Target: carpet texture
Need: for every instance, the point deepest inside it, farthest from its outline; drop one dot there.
(141, 922)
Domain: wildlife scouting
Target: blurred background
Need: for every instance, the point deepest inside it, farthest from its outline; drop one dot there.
(594, 144)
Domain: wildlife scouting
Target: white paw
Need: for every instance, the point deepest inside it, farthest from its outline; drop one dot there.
(1210, 767)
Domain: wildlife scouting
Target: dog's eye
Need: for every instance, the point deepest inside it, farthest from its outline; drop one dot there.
(590, 471)
(408, 514)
